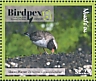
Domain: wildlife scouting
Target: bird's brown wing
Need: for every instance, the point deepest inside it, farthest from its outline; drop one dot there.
(47, 35)
(39, 35)
(35, 36)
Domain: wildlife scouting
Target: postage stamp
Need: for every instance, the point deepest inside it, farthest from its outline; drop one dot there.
(53, 41)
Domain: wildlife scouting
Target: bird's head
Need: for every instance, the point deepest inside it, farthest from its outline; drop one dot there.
(52, 45)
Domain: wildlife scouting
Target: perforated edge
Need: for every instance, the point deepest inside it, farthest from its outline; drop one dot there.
(47, 1)
(52, 1)
(0, 39)
(95, 37)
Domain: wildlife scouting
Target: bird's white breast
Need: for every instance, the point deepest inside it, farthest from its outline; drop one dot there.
(41, 43)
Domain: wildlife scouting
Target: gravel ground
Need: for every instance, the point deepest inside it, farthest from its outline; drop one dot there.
(77, 63)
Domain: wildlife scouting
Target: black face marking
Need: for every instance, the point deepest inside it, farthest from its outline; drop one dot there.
(51, 45)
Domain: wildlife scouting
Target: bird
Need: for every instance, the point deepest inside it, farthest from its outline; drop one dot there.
(43, 39)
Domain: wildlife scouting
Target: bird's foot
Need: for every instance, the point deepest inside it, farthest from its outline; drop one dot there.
(46, 52)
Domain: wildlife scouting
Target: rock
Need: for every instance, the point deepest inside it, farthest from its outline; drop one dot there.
(48, 63)
(7, 65)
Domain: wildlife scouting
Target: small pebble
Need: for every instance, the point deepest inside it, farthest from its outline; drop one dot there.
(7, 65)
(58, 66)
(70, 70)
(55, 66)
(17, 57)
(14, 64)
(87, 60)
(57, 61)
(63, 63)
(48, 63)
(80, 68)
(79, 49)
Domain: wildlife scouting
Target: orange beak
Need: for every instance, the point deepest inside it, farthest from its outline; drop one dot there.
(52, 50)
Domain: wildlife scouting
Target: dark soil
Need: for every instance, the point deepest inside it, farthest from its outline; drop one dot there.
(72, 62)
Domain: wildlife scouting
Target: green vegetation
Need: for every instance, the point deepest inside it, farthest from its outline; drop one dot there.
(67, 29)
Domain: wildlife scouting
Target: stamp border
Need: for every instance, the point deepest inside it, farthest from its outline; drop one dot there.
(42, 2)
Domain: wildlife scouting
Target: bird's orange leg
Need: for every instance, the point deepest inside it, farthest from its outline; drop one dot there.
(38, 50)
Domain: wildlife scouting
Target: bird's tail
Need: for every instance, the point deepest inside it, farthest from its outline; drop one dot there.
(27, 34)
